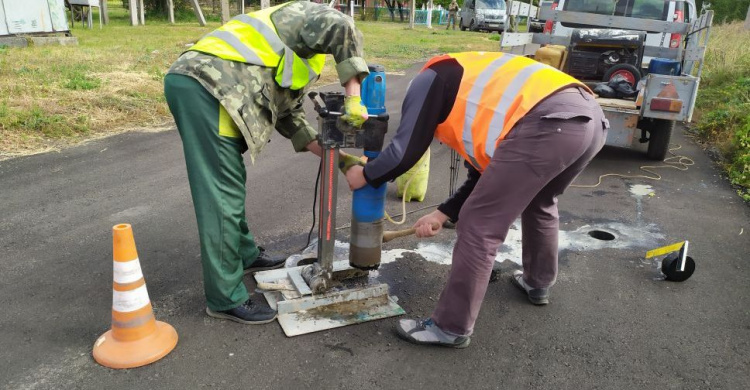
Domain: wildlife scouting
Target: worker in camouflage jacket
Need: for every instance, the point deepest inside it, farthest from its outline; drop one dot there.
(227, 94)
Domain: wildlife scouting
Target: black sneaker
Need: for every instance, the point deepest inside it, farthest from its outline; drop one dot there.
(249, 313)
(537, 296)
(265, 262)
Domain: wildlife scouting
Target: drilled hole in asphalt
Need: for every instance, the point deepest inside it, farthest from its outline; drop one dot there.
(602, 235)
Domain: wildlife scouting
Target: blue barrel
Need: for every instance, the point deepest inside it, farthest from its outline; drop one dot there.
(664, 66)
(373, 90)
(368, 202)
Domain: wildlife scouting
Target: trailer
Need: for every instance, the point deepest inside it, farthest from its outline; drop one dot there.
(614, 46)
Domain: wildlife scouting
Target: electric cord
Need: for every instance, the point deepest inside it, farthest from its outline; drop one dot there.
(681, 163)
(315, 203)
(403, 213)
(454, 168)
(348, 225)
(406, 189)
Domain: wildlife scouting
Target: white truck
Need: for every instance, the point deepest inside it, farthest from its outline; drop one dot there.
(601, 40)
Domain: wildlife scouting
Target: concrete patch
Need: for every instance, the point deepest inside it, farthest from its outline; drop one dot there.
(578, 240)
(38, 41)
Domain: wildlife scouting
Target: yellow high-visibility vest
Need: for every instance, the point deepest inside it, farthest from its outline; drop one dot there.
(252, 39)
(496, 91)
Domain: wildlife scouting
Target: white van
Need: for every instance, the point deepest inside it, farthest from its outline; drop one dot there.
(488, 15)
(666, 10)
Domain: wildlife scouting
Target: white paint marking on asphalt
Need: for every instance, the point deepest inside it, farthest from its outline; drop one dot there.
(578, 240)
(641, 190)
(130, 213)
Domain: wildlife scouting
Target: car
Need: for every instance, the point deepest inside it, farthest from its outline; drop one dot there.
(486, 15)
(536, 24)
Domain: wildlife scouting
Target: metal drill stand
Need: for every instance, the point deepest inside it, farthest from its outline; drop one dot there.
(328, 294)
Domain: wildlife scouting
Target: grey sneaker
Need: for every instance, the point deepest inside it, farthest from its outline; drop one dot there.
(425, 332)
(537, 296)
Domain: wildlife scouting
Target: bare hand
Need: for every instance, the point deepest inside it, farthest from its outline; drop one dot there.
(430, 225)
(314, 148)
(355, 176)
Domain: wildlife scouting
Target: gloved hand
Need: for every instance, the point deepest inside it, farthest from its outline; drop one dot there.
(356, 113)
(347, 161)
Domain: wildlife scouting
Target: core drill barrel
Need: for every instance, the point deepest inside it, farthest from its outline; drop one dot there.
(368, 203)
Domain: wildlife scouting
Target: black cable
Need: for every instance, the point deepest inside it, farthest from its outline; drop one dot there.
(315, 203)
(455, 165)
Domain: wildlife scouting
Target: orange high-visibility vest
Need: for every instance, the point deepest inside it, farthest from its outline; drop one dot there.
(496, 91)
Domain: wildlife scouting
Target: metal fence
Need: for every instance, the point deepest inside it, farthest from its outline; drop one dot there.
(384, 14)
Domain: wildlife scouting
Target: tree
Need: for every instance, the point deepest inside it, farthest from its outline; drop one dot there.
(725, 10)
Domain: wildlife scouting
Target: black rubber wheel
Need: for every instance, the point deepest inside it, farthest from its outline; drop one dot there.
(472, 26)
(660, 133)
(629, 72)
(669, 267)
(461, 25)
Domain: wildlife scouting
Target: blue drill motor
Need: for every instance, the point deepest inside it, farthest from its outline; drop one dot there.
(368, 203)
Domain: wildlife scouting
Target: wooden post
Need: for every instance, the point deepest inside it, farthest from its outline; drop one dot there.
(411, 14)
(133, 5)
(224, 4)
(429, 14)
(198, 12)
(265, 4)
(104, 10)
(142, 12)
(170, 10)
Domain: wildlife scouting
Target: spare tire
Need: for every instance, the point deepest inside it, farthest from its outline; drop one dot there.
(625, 71)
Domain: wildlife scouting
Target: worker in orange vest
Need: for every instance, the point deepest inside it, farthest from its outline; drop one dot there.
(526, 130)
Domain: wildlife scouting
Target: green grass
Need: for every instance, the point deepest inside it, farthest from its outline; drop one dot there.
(723, 105)
(112, 81)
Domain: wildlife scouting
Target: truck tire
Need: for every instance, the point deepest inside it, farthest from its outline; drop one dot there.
(473, 26)
(660, 133)
(627, 71)
(461, 24)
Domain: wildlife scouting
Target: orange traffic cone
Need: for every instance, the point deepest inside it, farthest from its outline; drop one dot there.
(136, 338)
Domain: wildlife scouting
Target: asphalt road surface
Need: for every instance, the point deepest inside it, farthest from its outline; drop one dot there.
(611, 322)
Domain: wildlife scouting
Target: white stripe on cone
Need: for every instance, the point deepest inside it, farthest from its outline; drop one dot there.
(127, 301)
(127, 271)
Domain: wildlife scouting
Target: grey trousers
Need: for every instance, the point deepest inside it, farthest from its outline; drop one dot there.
(538, 160)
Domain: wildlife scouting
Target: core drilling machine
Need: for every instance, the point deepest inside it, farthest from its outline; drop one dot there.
(315, 297)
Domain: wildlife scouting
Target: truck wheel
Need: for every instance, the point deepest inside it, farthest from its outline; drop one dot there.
(472, 26)
(626, 71)
(461, 25)
(660, 132)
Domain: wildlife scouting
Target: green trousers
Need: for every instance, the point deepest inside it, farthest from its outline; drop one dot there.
(213, 154)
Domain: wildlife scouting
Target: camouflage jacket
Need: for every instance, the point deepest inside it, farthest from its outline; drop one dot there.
(249, 93)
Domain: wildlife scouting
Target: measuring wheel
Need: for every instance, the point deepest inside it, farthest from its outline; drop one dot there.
(670, 266)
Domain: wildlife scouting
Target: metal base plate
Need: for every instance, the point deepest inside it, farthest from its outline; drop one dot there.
(353, 302)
